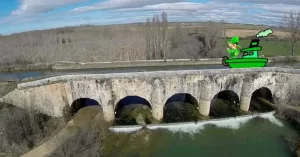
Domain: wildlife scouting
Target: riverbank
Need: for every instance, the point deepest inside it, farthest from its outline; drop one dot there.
(68, 65)
(292, 115)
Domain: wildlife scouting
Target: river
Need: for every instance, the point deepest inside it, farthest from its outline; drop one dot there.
(232, 137)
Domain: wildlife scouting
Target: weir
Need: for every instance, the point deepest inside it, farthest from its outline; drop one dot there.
(194, 127)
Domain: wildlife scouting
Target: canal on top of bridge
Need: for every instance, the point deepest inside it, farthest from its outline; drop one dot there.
(21, 75)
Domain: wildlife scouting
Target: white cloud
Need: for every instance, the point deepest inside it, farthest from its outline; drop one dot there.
(230, 12)
(280, 8)
(39, 6)
(118, 4)
(270, 2)
(188, 6)
(127, 11)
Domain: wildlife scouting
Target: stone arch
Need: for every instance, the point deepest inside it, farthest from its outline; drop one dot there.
(258, 104)
(181, 107)
(224, 104)
(128, 100)
(134, 105)
(81, 103)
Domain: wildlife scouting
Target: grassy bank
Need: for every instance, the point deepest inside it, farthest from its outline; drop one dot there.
(272, 48)
(25, 67)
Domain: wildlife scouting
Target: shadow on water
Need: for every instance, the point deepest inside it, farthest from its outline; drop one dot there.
(225, 104)
(133, 110)
(81, 103)
(181, 108)
(136, 144)
(259, 105)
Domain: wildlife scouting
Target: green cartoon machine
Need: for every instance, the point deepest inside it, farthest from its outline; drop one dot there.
(250, 58)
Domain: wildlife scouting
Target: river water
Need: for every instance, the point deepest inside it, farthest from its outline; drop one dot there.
(233, 137)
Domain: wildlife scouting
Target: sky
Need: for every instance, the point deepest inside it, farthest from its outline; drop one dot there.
(26, 15)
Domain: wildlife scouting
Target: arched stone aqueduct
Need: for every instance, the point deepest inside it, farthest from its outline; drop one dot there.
(51, 95)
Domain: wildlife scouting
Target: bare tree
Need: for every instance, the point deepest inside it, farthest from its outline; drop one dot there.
(164, 33)
(210, 40)
(177, 36)
(148, 38)
(85, 143)
(291, 22)
(223, 24)
(156, 35)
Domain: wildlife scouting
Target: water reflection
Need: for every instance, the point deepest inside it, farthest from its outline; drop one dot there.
(181, 107)
(133, 110)
(259, 134)
(225, 104)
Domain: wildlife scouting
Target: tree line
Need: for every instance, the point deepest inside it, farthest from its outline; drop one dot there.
(156, 38)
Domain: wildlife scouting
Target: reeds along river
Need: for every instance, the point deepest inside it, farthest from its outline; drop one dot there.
(258, 135)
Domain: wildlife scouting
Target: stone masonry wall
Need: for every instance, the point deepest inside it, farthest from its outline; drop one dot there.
(51, 95)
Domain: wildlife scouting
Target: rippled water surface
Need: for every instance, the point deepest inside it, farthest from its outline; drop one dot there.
(232, 137)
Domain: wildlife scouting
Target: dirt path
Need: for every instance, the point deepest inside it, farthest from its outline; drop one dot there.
(53, 143)
(82, 119)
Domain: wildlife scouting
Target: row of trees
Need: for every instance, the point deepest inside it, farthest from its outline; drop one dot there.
(156, 36)
(165, 41)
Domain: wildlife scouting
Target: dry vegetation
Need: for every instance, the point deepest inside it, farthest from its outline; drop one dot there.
(21, 130)
(155, 39)
(92, 130)
(85, 143)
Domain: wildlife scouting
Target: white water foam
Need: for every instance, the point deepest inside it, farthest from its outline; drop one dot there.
(192, 127)
(179, 127)
(271, 118)
(125, 129)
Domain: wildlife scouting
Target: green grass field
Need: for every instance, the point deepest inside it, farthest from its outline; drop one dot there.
(272, 48)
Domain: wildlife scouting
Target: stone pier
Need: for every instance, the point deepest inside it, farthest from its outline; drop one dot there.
(246, 94)
(205, 97)
(157, 100)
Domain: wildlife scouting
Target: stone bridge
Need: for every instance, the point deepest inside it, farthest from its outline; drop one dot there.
(52, 95)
